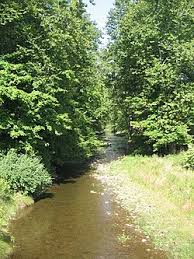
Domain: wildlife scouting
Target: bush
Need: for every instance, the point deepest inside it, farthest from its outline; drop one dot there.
(5, 192)
(189, 158)
(24, 173)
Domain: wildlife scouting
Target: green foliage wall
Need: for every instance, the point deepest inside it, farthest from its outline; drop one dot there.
(50, 93)
(152, 79)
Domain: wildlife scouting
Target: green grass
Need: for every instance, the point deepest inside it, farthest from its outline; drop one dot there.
(8, 209)
(161, 192)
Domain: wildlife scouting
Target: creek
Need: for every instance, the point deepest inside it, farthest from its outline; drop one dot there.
(78, 218)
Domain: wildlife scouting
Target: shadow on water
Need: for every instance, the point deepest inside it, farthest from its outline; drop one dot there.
(71, 170)
(46, 195)
(66, 174)
(78, 218)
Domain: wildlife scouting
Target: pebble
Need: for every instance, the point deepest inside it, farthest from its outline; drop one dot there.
(129, 225)
(93, 192)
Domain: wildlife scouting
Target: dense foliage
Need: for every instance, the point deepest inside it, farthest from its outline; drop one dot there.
(189, 158)
(5, 191)
(51, 95)
(151, 53)
(23, 173)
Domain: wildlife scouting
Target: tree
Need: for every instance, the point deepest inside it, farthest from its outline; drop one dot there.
(152, 78)
(49, 90)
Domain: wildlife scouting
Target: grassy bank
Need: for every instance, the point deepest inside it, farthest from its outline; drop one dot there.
(159, 193)
(10, 204)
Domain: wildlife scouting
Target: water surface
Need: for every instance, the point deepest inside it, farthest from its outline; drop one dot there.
(78, 218)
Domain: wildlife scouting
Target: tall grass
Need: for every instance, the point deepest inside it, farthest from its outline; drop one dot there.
(161, 192)
(160, 175)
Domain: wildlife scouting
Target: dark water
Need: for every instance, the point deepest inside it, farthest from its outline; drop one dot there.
(79, 219)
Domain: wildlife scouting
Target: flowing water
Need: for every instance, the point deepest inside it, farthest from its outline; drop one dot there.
(78, 219)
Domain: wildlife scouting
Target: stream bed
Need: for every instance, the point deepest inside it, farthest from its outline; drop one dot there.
(78, 218)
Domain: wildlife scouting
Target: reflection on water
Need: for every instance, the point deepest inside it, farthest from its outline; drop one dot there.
(78, 219)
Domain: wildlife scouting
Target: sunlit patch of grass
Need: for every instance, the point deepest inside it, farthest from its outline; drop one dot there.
(161, 175)
(161, 193)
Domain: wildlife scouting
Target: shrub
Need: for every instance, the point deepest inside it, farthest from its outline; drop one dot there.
(189, 158)
(5, 192)
(24, 173)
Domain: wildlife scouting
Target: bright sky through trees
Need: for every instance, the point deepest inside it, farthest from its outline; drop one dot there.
(99, 13)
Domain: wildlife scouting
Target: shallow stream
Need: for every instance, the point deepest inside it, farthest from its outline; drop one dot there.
(78, 218)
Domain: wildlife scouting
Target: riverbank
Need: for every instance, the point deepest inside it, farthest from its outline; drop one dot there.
(159, 194)
(19, 174)
(9, 207)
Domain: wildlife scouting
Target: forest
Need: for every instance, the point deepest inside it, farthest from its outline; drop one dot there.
(59, 89)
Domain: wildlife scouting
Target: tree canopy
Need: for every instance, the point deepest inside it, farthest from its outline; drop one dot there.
(151, 53)
(51, 96)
